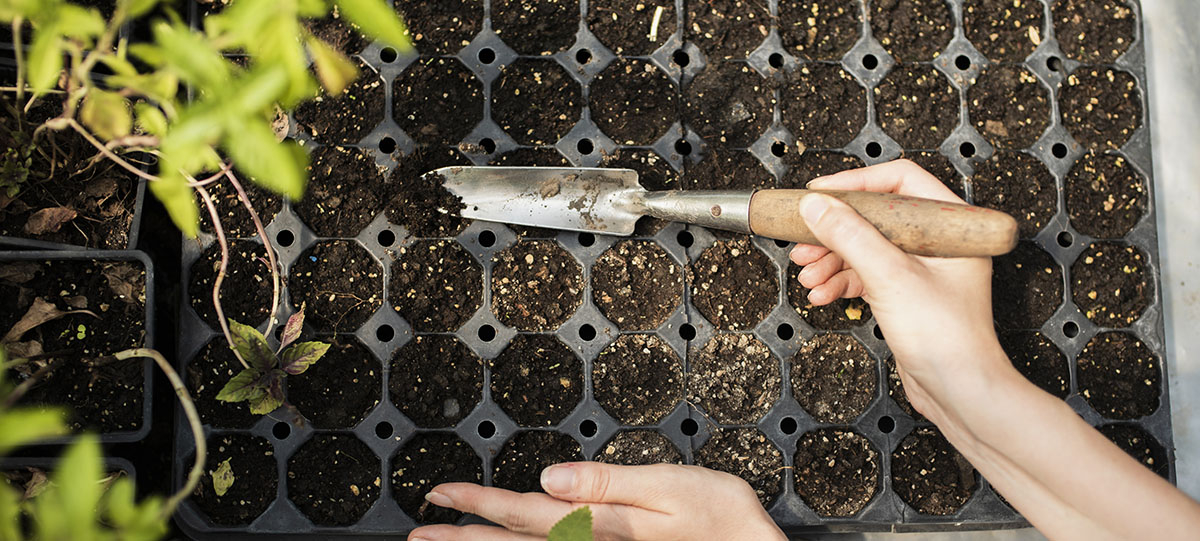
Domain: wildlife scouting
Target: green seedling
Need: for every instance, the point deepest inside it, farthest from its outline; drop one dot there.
(262, 383)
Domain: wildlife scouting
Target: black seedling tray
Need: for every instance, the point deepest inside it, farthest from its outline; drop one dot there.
(135, 229)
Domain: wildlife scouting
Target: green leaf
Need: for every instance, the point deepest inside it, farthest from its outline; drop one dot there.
(173, 190)
(22, 426)
(251, 345)
(78, 22)
(77, 489)
(273, 165)
(119, 66)
(576, 526)
(106, 114)
(262, 88)
(291, 331)
(119, 502)
(378, 20)
(296, 359)
(191, 56)
(222, 479)
(10, 512)
(150, 119)
(246, 385)
(45, 60)
(334, 69)
(273, 397)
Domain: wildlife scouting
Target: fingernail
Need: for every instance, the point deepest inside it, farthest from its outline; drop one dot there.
(558, 479)
(815, 183)
(439, 499)
(812, 207)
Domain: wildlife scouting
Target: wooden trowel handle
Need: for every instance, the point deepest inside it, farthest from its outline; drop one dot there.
(917, 226)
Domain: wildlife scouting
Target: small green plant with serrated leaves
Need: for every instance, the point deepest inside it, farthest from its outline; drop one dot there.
(262, 383)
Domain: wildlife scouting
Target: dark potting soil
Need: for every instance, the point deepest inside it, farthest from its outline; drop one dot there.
(654, 173)
(519, 464)
(537, 380)
(729, 104)
(734, 284)
(638, 379)
(1003, 30)
(639, 448)
(207, 373)
(836, 472)
(437, 101)
(1109, 284)
(235, 219)
(1140, 445)
(841, 314)
(338, 32)
(105, 398)
(833, 378)
(1119, 376)
(746, 453)
(531, 157)
(536, 27)
(246, 290)
(819, 29)
(727, 28)
(1027, 287)
(333, 479)
(344, 192)
(1039, 360)
(912, 30)
(536, 286)
(436, 380)
(420, 203)
(339, 283)
(632, 27)
(1105, 196)
(348, 117)
(633, 102)
(1093, 31)
(442, 27)
(722, 169)
(930, 475)
(917, 106)
(252, 461)
(1020, 185)
(436, 285)
(811, 164)
(341, 388)
(896, 391)
(1009, 106)
(426, 461)
(940, 167)
(1101, 107)
(536, 101)
(637, 285)
(734, 378)
(823, 106)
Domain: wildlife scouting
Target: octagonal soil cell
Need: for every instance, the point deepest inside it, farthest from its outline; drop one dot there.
(531, 157)
(1140, 445)
(345, 191)
(251, 460)
(536, 27)
(536, 285)
(339, 283)
(1027, 287)
(746, 453)
(435, 380)
(1110, 284)
(819, 29)
(1039, 360)
(207, 373)
(1101, 107)
(536, 101)
(930, 475)
(437, 101)
(726, 169)
(916, 106)
(1019, 184)
(1093, 31)
(235, 219)
(940, 167)
(734, 284)
(833, 378)
(637, 285)
(654, 173)
(633, 102)
(339, 390)
(1119, 376)
(1009, 106)
(420, 203)
(729, 104)
(245, 290)
(639, 448)
(1105, 196)
(734, 378)
(536, 380)
(823, 105)
(333, 479)
(1003, 30)
(426, 461)
(812, 164)
(333, 29)
(727, 28)
(519, 464)
(632, 27)
(841, 314)
(436, 285)
(896, 391)
(836, 472)
(443, 27)
(348, 117)
(638, 379)
(912, 30)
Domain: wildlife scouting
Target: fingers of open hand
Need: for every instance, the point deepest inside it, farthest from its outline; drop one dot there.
(843, 285)
(821, 270)
(804, 254)
(899, 176)
(471, 532)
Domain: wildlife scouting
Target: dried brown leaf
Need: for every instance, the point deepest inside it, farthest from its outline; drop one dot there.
(49, 220)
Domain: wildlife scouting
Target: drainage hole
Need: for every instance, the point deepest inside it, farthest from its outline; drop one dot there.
(489, 146)
(689, 427)
(387, 145)
(681, 58)
(1059, 150)
(388, 54)
(782, 243)
(585, 146)
(1071, 329)
(683, 147)
(486, 429)
(583, 56)
(785, 331)
(778, 149)
(878, 332)
(385, 333)
(886, 424)
(870, 62)
(487, 55)
(1065, 239)
(285, 238)
(386, 237)
(281, 430)
(487, 239)
(967, 149)
(383, 430)
(487, 333)
(1054, 63)
(775, 60)
(587, 332)
(587, 239)
(685, 239)
(588, 428)
(874, 149)
(963, 62)
(687, 331)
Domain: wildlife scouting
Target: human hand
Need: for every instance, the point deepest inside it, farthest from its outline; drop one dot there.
(662, 501)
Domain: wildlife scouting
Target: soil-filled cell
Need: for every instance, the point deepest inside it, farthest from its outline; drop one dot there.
(638, 379)
(812, 164)
(633, 102)
(917, 106)
(245, 290)
(339, 284)
(639, 448)
(436, 285)
(912, 30)
(632, 27)
(348, 117)
(734, 284)
(531, 157)
(1008, 106)
(1119, 376)
(442, 27)
(536, 101)
(333, 479)
(1101, 107)
(833, 378)
(1019, 184)
(1110, 284)
(536, 27)
(724, 169)
(1039, 360)
(341, 388)
(437, 101)
(251, 461)
(536, 286)
(729, 104)
(1140, 445)
(823, 106)
(207, 373)
(1093, 31)
(841, 314)
(435, 380)
(819, 29)
(1027, 287)
(654, 172)
(896, 391)
(1003, 30)
(1105, 196)
(333, 29)
(345, 192)
(733, 378)
(536, 380)
(637, 285)
(940, 167)
(519, 464)
(930, 475)
(727, 28)
(426, 461)
(235, 219)
(837, 472)
(746, 453)
(420, 203)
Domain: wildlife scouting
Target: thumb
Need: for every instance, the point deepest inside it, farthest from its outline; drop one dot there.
(849, 235)
(594, 482)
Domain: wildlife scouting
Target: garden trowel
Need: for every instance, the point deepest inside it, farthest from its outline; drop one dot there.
(610, 202)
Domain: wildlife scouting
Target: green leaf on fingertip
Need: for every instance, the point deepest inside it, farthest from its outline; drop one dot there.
(576, 526)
